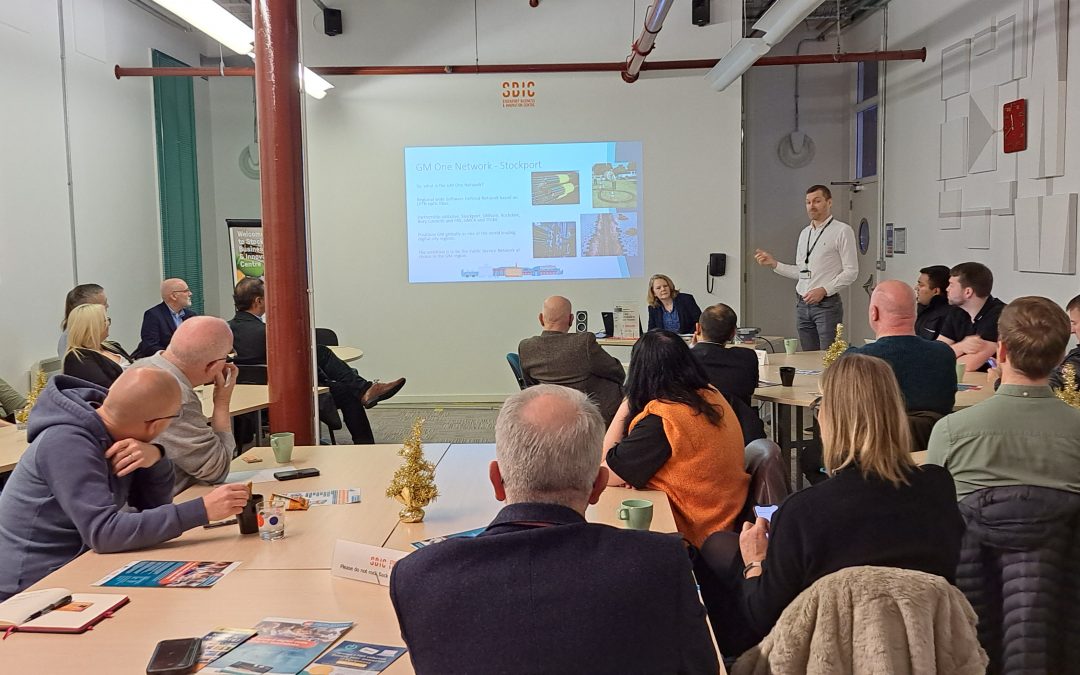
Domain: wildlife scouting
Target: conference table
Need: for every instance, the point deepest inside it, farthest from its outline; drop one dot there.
(789, 403)
(246, 398)
(289, 577)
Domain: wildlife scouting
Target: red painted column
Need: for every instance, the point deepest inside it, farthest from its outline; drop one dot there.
(288, 329)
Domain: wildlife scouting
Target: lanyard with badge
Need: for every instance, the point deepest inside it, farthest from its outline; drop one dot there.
(804, 273)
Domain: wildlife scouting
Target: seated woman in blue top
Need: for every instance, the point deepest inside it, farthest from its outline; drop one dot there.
(877, 508)
(669, 309)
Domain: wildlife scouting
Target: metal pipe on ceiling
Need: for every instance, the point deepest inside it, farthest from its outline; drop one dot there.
(510, 68)
(643, 46)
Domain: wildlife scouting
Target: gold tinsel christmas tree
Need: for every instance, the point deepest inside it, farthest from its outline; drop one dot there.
(21, 416)
(838, 347)
(414, 481)
(1069, 392)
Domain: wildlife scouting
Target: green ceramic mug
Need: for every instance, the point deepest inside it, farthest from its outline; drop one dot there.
(636, 512)
(282, 443)
(961, 370)
(791, 345)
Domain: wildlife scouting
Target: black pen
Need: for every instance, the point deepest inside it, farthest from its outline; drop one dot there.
(59, 603)
(222, 523)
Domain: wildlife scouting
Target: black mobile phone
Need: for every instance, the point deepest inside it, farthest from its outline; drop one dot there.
(296, 473)
(174, 657)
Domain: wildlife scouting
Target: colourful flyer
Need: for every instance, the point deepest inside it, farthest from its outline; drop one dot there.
(168, 574)
(349, 658)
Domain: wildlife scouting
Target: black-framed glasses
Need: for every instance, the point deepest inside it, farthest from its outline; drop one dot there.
(167, 417)
(228, 358)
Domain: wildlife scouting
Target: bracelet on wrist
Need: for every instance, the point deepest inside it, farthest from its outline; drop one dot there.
(750, 566)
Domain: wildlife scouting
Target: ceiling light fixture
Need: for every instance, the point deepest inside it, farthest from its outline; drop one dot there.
(218, 23)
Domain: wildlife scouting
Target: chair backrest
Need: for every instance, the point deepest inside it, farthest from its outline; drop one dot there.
(50, 366)
(253, 373)
(872, 620)
(921, 423)
(326, 336)
(768, 475)
(515, 365)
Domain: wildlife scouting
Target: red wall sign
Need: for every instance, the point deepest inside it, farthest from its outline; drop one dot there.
(1015, 125)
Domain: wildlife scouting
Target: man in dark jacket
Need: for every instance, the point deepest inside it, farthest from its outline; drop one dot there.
(91, 478)
(574, 360)
(1057, 380)
(352, 394)
(733, 371)
(541, 590)
(161, 321)
(933, 305)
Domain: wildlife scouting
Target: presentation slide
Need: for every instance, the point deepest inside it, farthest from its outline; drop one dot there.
(524, 212)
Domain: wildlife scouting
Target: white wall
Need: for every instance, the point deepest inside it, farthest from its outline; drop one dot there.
(775, 204)
(113, 168)
(912, 144)
(450, 339)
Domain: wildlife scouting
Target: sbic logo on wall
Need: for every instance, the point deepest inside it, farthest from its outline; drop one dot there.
(519, 94)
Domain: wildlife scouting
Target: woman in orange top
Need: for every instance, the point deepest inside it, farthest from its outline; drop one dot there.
(677, 434)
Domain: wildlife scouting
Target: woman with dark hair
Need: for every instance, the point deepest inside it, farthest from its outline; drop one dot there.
(668, 308)
(677, 434)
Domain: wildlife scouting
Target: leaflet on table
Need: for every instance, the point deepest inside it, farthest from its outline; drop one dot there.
(326, 497)
(806, 371)
(168, 574)
(280, 646)
(436, 540)
(353, 657)
(259, 476)
(219, 642)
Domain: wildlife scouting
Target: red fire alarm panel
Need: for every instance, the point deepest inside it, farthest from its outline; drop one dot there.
(1015, 125)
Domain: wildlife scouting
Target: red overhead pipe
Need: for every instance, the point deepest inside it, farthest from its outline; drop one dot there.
(643, 46)
(290, 368)
(473, 69)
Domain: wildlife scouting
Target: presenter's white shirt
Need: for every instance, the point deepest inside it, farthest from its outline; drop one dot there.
(828, 252)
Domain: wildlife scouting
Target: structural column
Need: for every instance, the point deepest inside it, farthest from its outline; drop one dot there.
(290, 368)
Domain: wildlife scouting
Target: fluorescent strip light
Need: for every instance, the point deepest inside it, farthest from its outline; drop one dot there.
(214, 20)
(782, 17)
(314, 85)
(741, 56)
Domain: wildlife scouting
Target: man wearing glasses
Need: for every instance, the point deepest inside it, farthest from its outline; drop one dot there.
(161, 321)
(91, 479)
(197, 355)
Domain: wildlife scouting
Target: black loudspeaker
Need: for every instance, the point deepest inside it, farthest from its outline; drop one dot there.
(609, 323)
(699, 12)
(581, 321)
(717, 264)
(331, 21)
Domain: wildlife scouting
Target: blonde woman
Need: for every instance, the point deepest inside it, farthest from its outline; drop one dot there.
(877, 507)
(668, 308)
(89, 357)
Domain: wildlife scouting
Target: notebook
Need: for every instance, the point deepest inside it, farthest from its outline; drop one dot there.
(57, 610)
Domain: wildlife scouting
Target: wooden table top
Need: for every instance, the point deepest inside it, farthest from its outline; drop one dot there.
(347, 354)
(808, 387)
(246, 398)
(289, 577)
(466, 500)
(12, 445)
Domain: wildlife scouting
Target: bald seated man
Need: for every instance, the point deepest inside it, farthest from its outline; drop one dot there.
(541, 590)
(574, 360)
(197, 355)
(926, 373)
(161, 321)
(91, 479)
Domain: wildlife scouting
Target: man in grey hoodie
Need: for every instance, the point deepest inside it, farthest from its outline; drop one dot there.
(90, 457)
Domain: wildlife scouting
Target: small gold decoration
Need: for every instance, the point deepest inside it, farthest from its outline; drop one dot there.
(21, 416)
(838, 347)
(414, 481)
(1069, 392)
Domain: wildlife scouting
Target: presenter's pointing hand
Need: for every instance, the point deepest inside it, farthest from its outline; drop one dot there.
(764, 258)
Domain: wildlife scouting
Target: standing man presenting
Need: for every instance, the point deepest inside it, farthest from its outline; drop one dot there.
(825, 263)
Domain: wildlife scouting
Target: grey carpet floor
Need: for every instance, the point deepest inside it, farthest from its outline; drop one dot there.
(458, 424)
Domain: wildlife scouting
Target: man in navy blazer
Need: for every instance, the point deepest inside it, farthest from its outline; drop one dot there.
(541, 590)
(161, 321)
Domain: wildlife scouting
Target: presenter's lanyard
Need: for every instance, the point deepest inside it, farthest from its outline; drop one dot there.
(809, 248)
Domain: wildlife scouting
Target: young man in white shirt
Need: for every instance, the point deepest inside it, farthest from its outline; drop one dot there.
(825, 264)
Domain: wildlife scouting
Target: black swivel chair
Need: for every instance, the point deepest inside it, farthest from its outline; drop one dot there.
(515, 365)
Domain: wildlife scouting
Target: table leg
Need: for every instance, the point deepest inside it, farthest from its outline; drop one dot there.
(259, 429)
(782, 435)
(798, 446)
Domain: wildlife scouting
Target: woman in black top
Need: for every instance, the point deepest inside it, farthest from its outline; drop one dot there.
(88, 356)
(878, 508)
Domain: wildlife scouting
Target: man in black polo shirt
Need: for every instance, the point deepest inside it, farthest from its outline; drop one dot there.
(933, 306)
(972, 333)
